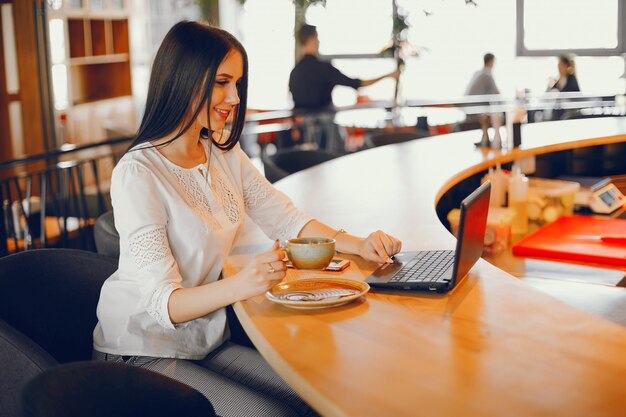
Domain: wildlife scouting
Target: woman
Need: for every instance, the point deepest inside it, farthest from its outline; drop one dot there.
(567, 81)
(179, 197)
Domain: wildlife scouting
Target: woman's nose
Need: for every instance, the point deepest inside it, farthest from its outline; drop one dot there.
(232, 95)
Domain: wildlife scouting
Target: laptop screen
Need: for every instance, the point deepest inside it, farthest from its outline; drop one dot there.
(472, 225)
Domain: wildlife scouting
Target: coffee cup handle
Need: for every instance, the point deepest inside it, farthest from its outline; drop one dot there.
(285, 248)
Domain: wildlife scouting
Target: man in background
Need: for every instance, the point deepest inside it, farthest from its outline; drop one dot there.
(311, 83)
(482, 82)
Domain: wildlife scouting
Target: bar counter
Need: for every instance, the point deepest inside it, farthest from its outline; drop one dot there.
(493, 346)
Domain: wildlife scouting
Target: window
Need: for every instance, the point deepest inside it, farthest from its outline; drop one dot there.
(450, 36)
(267, 35)
(590, 28)
(347, 28)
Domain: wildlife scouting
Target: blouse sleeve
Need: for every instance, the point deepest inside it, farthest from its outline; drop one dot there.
(271, 209)
(141, 220)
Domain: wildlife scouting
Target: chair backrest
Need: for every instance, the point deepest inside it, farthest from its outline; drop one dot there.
(20, 360)
(99, 389)
(289, 161)
(388, 138)
(106, 236)
(51, 295)
(53, 206)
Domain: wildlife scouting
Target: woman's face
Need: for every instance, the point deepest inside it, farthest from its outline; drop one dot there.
(562, 68)
(225, 95)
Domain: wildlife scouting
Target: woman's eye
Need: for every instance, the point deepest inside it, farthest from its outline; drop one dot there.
(221, 82)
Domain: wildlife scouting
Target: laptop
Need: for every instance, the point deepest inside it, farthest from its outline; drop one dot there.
(440, 270)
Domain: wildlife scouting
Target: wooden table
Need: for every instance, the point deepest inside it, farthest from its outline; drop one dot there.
(494, 346)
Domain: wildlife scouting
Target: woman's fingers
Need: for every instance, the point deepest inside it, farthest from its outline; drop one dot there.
(379, 243)
(265, 270)
(276, 274)
(388, 243)
(379, 247)
(271, 256)
(374, 250)
(271, 264)
(277, 266)
(393, 245)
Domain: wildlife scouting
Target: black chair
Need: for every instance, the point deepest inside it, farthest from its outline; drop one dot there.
(286, 162)
(106, 236)
(51, 295)
(389, 138)
(103, 389)
(21, 359)
(47, 316)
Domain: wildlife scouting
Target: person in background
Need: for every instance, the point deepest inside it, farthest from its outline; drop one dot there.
(311, 83)
(567, 81)
(180, 195)
(482, 81)
(312, 80)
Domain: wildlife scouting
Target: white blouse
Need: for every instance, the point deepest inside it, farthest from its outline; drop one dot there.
(176, 227)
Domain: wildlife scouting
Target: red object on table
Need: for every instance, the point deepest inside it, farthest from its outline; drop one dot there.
(563, 240)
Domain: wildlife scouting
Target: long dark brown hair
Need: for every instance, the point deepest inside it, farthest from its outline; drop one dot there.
(183, 71)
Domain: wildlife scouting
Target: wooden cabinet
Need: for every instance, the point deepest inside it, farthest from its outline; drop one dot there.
(95, 56)
(99, 59)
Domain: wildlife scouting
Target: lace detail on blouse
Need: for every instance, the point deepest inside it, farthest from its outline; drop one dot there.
(196, 196)
(156, 302)
(256, 192)
(149, 247)
(226, 196)
(286, 231)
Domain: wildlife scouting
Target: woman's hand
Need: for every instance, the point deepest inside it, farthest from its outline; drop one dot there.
(263, 272)
(379, 247)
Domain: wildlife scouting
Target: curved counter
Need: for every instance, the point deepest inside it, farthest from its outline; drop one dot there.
(491, 347)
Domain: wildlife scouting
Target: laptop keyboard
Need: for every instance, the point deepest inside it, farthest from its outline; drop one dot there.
(426, 266)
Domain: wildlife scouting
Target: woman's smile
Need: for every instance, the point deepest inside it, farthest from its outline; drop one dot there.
(222, 113)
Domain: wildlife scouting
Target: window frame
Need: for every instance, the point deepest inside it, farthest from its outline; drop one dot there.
(619, 49)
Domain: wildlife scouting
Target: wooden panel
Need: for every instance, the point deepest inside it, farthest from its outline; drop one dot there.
(120, 36)
(76, 33)
(98, 37)
(31, 84)
(100, 81)
(6, 152)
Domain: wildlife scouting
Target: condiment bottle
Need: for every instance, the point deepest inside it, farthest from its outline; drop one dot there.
(518, 201)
